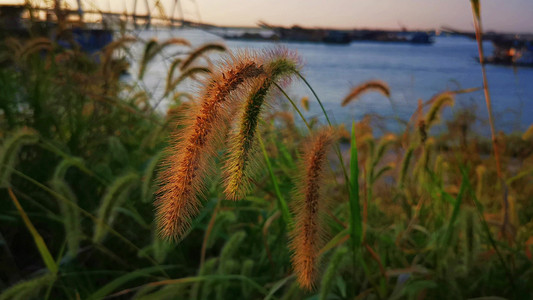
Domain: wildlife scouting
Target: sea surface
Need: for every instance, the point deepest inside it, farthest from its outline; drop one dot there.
(412, 72)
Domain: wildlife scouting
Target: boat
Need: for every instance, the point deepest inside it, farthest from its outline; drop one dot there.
(267, 32)
(509, 49)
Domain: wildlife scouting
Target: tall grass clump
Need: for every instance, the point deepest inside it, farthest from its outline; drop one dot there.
(413, 214)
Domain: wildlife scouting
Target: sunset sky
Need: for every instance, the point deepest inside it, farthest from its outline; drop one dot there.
(498, 15)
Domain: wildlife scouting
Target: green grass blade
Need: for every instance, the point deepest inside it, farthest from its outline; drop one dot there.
(38, 239)
(277, 286)
(110, 287)
(28, 289)
(356, 223)
(455, 213)
(281, 201)
(316, 96)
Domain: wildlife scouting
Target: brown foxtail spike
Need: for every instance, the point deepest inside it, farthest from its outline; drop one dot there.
(308, 233)
(190, 153)
(372, 85)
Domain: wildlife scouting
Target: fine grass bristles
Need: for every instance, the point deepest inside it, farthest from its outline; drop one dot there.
(239, 165)
(372, 85)
(308, 233)
(190, 153)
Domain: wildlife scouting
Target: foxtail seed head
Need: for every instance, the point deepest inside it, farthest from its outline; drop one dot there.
(372, 85)
(308, 234)
(190, 153)
(240, 164)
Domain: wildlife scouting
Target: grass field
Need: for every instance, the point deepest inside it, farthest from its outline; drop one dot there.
(230, 194)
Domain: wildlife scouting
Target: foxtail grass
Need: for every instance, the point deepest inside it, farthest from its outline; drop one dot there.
(10, 149)
(115, 195)
(309, 207)
(240, 162)
(152, 48)
(372, 85)
(437, 103)
(189, 156)
(199, 52)
(71, 216)
(187, 74)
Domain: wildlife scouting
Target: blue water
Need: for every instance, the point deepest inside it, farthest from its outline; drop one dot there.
(412, 71)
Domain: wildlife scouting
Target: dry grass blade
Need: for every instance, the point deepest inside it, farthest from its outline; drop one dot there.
(476, 11)
(372, 85)
(308, 234)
